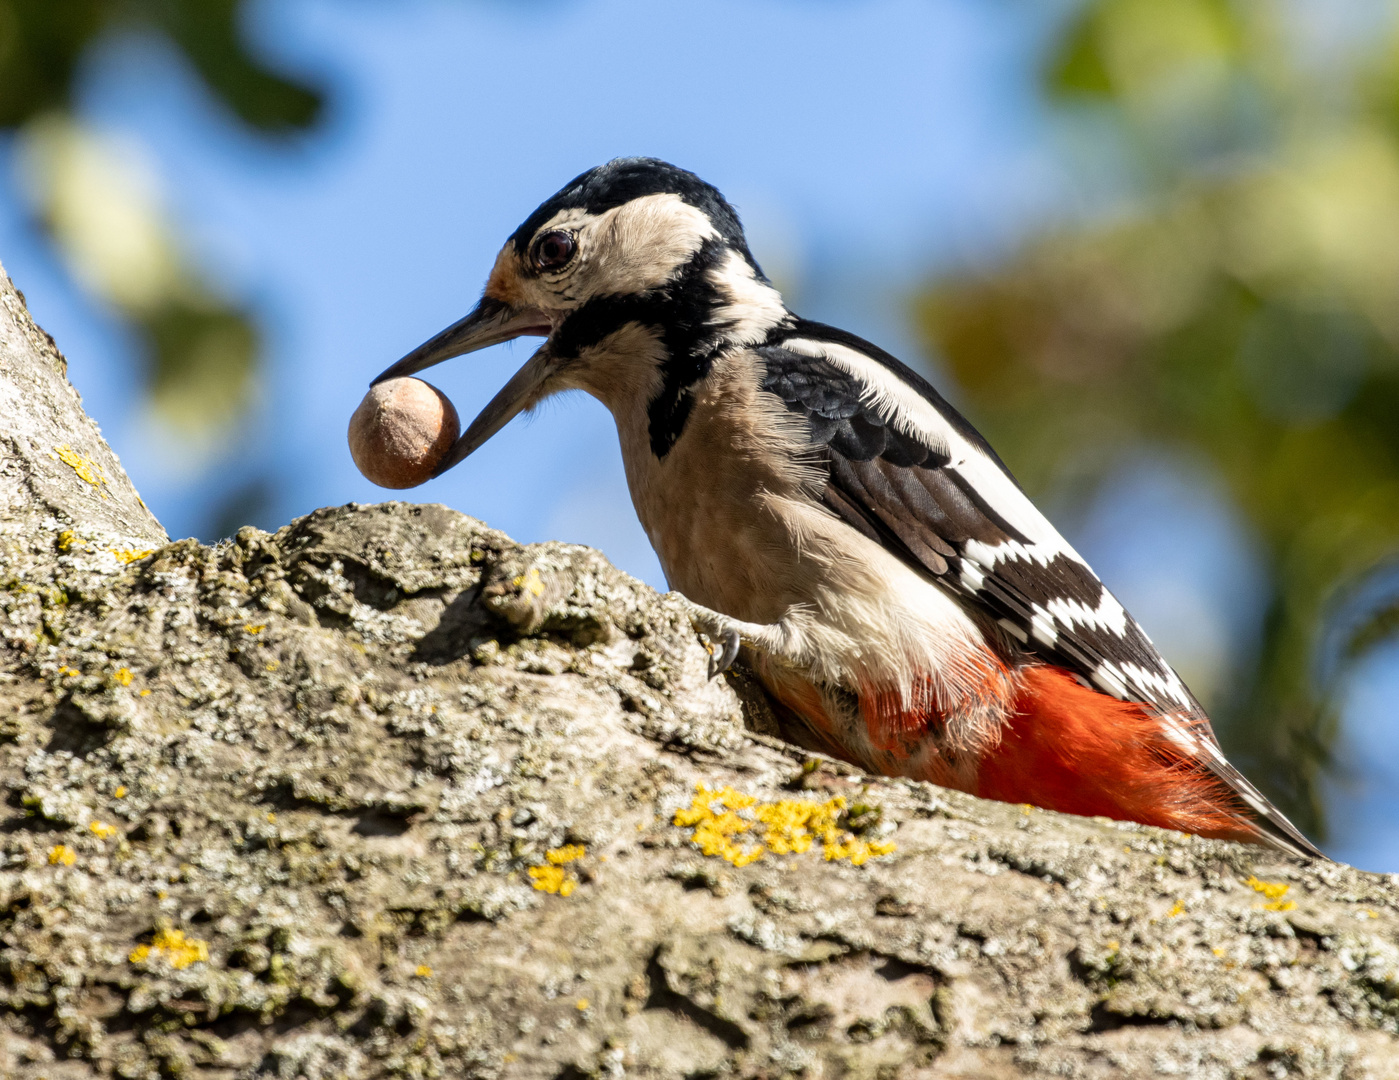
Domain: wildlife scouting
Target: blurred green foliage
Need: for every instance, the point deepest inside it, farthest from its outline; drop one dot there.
(43, 41)
(1238, 306)
(100, 201)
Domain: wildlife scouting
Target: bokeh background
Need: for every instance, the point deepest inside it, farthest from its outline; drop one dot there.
(1150, 247)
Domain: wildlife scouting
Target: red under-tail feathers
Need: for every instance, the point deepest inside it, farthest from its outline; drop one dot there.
(1062, 746)
(1067, 747)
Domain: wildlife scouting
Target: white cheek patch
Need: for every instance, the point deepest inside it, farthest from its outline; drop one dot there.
(638, 246)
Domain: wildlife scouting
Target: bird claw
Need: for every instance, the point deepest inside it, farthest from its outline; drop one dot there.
(724, 651)
(724, 639)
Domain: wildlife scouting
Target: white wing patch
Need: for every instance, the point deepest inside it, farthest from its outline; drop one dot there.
(1109, 614)
(915, 415)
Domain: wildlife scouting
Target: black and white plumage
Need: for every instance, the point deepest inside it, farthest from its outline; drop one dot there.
(907, 468)
(818, 498)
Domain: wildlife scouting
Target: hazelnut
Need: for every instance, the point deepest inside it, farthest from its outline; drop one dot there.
(401, 431)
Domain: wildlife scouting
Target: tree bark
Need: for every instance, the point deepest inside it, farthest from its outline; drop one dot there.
(57, 473)
(387, 794)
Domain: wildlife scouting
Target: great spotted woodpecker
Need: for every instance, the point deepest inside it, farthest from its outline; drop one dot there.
(814, 499)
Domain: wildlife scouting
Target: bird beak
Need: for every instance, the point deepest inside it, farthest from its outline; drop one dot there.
(515, 396)
(490, 322)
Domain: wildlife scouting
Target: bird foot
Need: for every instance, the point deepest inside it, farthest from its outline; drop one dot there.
(724, 635)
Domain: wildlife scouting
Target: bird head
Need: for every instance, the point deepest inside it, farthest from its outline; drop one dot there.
(637, 273)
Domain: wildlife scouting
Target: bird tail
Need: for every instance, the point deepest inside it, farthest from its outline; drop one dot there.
(1060, 745)
(1070, 748)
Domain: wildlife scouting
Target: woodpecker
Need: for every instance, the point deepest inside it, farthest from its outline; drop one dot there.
(819, 504)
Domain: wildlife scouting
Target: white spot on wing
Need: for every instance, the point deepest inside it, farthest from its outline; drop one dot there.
(1108, 616)
(1017, 632)
(1109, 680)
(1178, 734)
(914, 415)
(1157, 684)
(1042, 626)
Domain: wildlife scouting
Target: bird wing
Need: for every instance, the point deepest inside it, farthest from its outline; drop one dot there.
(908, 471)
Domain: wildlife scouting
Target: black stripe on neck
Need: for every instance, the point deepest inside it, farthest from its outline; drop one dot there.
(685, 311)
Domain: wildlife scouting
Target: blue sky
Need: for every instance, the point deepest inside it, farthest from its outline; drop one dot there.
(865, 144)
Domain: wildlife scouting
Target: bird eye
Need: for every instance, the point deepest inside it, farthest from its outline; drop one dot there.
(554, 250)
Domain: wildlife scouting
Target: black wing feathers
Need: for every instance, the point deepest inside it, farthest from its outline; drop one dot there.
(895, 486)
(906, 494)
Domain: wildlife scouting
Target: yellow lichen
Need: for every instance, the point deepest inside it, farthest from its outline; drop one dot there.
(251, 629)
(714, 832)
(89, 472)
(423, 972)
(66, 539)
(553, 879)
(123, 676)
(581, 1004)
(530, 582)
(145, 693)
(62, 855)
(130, 555)
(177, 949)
(1274, 891)
(791, 826)
(120, 792)
(1176, 909)
(102, 830)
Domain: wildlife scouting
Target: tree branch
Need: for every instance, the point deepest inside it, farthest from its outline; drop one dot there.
(387, 794)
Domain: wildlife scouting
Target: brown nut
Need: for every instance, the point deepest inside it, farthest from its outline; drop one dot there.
(400, 432)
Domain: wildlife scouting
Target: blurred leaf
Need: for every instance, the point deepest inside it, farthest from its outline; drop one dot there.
(42, 43)
(101, 202)
(100, 199)
(1079, 69)
(1139, 47)
(204, 366)
(250, 503)
(1378, 628)
(207, 31)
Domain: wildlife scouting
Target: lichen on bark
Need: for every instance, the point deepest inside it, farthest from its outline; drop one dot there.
(387, 794)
